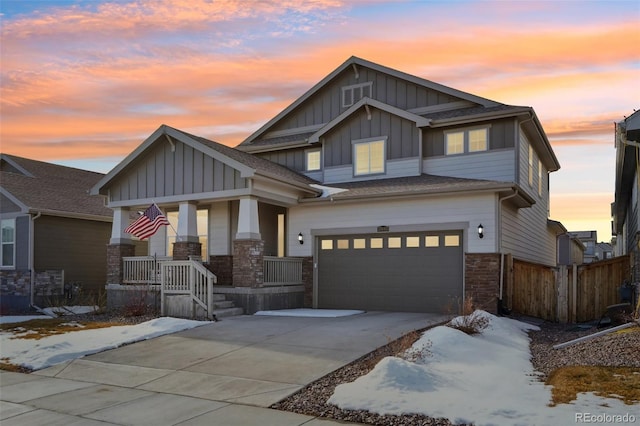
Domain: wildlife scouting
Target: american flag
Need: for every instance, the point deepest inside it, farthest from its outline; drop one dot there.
(147, 224)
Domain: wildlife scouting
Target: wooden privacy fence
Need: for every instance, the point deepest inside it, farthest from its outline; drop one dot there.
(575, 293)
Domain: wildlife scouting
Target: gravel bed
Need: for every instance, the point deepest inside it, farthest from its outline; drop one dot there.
(619, 349)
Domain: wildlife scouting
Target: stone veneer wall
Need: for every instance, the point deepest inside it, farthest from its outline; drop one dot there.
(248, 266)
(115, 253)
(307, 281)
(222, 267)
(15, 288)
(183, 249)
(482, 280)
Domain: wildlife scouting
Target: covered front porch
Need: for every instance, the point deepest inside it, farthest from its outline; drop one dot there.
(228, 213)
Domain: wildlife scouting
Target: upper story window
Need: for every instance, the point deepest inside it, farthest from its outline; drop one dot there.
(312, 160)
(355, 92)
(540, 178)
(468, 140)
(8, 242)
(368, 156)
(530, 165)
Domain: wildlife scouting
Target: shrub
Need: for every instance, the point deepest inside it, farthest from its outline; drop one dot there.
(472, 321)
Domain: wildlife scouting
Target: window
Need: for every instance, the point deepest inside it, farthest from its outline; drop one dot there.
(413, 241)
(530, 165)
(326, 245)
(355, 92)
(395, 242)
(343, 244)
(376, 243)
(369, 157)
(202, 227)
(539, 177)
(8, 240)
(432, 241)
(451, 240)
(471, 140)
(312, 160)
(359, 243)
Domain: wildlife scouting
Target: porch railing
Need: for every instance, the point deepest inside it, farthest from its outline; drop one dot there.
(188, 277)
(282, 270)
(142, 269)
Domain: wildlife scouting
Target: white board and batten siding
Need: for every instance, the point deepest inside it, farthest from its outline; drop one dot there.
(496, 165)
(437, 213)
(394, 168)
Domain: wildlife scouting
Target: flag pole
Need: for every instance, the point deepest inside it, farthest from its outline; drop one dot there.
(174, 229)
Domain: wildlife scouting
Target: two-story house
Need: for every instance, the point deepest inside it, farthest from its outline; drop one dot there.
(626, 215)
(391, 191)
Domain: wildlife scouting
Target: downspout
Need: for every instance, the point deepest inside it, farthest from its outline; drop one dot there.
(32, 259)
(499, 229)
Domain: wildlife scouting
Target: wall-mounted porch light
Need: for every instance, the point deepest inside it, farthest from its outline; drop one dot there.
(300, 238)
(480, 231)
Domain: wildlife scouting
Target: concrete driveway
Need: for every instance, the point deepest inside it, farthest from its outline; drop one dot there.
(225, 373)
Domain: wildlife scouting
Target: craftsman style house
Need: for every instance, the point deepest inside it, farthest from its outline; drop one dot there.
(375, 190)
(53, 232)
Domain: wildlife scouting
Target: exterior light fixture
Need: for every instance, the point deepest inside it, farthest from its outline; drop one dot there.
(300, 238)
(480, 231)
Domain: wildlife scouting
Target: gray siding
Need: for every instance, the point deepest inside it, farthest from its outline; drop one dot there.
(501, 135)
(326, 105)
(163, 172)
(79, 247)
(293, 158)
(394, 168)
(22, 242)
(402, 136)
(491, 165)
(8, 206)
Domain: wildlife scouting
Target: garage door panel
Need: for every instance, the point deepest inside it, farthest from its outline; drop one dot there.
(420, 275)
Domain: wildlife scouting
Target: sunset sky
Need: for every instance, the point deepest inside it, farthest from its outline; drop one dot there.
(84, 82)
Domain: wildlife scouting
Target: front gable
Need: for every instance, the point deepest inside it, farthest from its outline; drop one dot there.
(352, 81)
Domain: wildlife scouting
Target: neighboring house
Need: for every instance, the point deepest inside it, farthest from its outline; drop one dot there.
(570, 249)
(53, 232)
(393, 192)
(590, 240)
(625, 206)
(604, 251)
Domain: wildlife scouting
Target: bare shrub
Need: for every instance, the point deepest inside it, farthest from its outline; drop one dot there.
(471, 321)
(138, 303)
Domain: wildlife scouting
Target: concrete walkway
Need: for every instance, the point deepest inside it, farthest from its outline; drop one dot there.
(226, 373)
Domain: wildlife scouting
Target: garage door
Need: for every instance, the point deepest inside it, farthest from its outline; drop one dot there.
(408, 272)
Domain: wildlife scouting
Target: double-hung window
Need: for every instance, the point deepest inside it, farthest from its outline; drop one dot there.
(368, 156)
(8, 242)
(466, 140)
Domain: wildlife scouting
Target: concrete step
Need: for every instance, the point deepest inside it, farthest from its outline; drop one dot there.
(227, 312)
(223, 304)
(217, 297)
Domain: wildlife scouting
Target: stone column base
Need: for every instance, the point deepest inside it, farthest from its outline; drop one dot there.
(183, 249)
(248, 263)
(115, 253)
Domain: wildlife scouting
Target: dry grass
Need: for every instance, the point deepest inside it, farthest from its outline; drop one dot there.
(612, 382)
(38, 328)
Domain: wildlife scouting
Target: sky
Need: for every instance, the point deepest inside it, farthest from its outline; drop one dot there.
(83, 83)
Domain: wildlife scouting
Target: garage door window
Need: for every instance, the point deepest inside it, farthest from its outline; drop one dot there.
(432, 241)
(359, 243)
(343, 244)
(451, 240)
(395, 242)
(376, 243)
(327, 245)
(413, 242)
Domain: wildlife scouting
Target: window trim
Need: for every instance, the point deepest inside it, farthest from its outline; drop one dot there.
(306, 159)
(466, 144)
(352, 89)
(12, 243)
(369, 141)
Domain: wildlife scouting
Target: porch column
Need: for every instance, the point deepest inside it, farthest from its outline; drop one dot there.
(187, 241)
(248, 247)
(120, 245)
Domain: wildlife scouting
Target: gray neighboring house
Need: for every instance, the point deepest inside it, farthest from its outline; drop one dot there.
(391, 192)
(53, 232)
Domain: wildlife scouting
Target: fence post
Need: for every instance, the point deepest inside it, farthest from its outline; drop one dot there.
(563, 296)
(574, 293)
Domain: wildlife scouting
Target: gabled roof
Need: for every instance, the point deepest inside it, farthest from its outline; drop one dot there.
(364, 102)
(51, 189)
(354, 62)
(248, 165)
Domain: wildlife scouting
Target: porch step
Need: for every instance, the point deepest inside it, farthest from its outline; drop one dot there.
(224, 308)
(227, 312)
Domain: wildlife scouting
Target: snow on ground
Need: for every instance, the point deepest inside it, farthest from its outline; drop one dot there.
(51, 350)
(313, 313)
(487, 379)
(7, 319)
